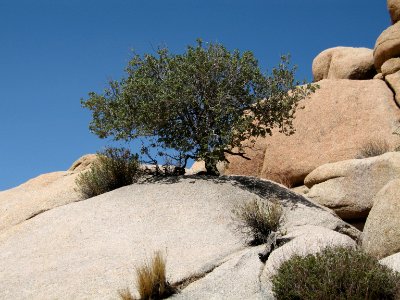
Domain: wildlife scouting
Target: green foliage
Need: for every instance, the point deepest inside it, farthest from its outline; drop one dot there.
(373, 148)
(335, 273)
(114, 168)
(202, 103)
(255, 220)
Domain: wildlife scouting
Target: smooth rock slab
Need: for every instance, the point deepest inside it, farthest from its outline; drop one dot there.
(89, 249)
(392, 261)
(349, 187)
(331, 126)
(381, 235)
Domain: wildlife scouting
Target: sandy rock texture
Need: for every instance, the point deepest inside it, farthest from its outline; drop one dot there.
(393, 80)
(349, 187)
(89, 249)
(40, 194)
(332, 126)
(394, 10)
(381, 235)
(391, 66)
(387, 45)
(344, 63)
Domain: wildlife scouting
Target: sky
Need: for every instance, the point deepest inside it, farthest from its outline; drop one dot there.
(54, 52)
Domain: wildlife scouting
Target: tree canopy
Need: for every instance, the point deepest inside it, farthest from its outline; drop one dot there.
(203, 103)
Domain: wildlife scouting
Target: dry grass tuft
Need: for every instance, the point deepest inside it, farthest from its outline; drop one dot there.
(256, 220)
(373, 148)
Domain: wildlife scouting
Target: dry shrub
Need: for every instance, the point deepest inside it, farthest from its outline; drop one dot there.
(151, 279)
(256, 220)
(125, 295)
(373, 148)
(114, 168)
(335, 273)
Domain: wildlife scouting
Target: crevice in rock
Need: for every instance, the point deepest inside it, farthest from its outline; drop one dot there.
(34, 215)
(393, 91)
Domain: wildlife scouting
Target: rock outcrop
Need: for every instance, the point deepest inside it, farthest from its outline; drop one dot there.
(335, 122)
(381, 236)
(394, 10)
(393, 80)
(344, 63)
(391, 66)
(189, 218)
(387, 46)
(349, 187)
(41, 194)
(392, 261)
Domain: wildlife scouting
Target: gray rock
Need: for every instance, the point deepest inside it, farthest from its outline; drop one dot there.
(392, 261)
(381, 235)
(89, 249)
(348, 187)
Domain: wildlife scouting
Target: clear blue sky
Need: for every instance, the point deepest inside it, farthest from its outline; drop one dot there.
(53, 52)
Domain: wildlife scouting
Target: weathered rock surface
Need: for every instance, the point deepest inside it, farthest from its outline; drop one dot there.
(392, 261)
(349, 187)
(344, 63)
(393, 81)
(83, 163)
(335, 122)
(305, 240)
(102, 239)
(387, 45)
(390, 66)
(394, 10)
(381, 236)
(40, 194)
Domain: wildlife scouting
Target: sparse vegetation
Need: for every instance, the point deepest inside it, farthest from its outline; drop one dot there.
(256, 220)
(373, 148)
(335, 273)
(114, 168)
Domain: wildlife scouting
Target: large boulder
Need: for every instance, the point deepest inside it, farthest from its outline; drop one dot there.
(344, 63)
(391, 66)
(394, 10)
(393, 80)
(381, 236)
(335, 122)
(349, 187)
(89, 249)
(41, 194)
(387, 45)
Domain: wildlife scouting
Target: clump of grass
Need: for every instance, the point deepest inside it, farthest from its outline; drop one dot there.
(114, 168)
(373, 148)
(256, 220)
(151, 281)
(335, 273)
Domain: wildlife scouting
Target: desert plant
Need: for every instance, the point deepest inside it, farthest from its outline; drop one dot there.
(373, 148)
(256, 220)
(190, 102)
(151, 279)
(114, 168)
(335, 273)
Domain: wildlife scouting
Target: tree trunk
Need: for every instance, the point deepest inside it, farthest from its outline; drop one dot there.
(211, 167)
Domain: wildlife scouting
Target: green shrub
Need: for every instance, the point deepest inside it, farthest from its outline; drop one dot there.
(373, 148)
(335, 273)
(114, 168)
(256, 220)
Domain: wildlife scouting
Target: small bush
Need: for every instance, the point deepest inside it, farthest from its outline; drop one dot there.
(115, 168)
(335, 273)
(373, 148)
(256, 220)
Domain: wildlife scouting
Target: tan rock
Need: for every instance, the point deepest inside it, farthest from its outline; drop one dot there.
(199, 166)
(391, 66)
(344, 63)
(387, 46)
(381, 236)
(89, 249)
(334, 123)
(41, 194)
(379, 76)
(349, 187)
(394, 10)
(393, 80)
(83, 163)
